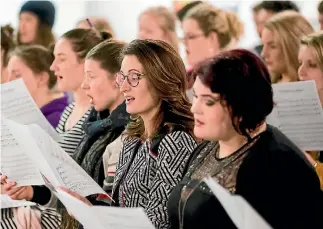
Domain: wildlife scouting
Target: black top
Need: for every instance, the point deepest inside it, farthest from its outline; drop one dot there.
(274, 178)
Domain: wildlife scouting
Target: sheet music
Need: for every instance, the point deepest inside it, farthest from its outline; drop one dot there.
(53, 162)
(105, 217)
(15, 163)
(239, 210)
(18, 105)
(298, 114)
(7, 202)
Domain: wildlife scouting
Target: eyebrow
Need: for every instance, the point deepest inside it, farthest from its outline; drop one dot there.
(61, 54)
(271, 43)
(207, 95)
(131, 70)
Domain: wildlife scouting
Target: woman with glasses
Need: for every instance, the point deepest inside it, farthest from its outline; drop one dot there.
(207, 31)
(158, 140)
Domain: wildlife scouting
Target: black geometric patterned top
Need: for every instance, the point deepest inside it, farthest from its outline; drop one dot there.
(145, 178)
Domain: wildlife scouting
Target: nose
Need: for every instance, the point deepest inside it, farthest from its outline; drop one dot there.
(85, 85)
(196, 108)
(53, 66)
(302, 73)
(264, 52)
(125, 86)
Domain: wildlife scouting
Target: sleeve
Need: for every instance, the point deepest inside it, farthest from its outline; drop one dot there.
(43, 196)
(283, 188)
(173, 153)
(319, 171)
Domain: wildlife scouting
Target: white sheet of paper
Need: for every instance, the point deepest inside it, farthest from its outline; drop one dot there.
(18, 105)
(15, 163)
(298, 114)
(53, 162)
(100, 217)
(239, 210)
(7, 202)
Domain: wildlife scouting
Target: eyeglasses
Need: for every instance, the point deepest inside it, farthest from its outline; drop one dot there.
(191, 37)
(132, 78)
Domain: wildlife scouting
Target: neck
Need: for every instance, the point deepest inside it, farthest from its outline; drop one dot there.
(228, 147)
(285, 78)
(116, 103)
(81, 99)
(149, 121)
(43, 97)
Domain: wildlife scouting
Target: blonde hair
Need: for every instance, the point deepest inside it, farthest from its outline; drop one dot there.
(289, 27)
(315, 41)
(236, 26)
(167, 22)
(211, 19)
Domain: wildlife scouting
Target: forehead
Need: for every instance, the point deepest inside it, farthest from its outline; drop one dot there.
(64, 46)
(201, 88)
(306, 52)
(131, 62)
(28, 15)
(267, 35)
(263, 15)
(190, 25)
(16, 62)
(148, 19)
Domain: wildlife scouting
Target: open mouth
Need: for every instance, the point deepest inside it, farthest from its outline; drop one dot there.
(129, 99)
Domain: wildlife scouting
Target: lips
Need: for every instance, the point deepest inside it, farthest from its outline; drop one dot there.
(198, 123)
(129, 99)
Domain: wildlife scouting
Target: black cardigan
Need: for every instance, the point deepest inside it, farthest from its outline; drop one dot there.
(274, 178)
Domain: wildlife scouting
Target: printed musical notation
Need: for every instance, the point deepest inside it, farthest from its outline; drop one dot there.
(18, 105)
(298, 114)
(15, 163)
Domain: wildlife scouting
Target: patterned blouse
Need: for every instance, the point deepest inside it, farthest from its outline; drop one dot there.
(145, 179)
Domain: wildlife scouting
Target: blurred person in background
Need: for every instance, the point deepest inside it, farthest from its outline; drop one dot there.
(281, 38)
(99, 23)
(320, 10)
(158, 23)
(264, 10)
(7, 44)
(32, 64)
(36, 20)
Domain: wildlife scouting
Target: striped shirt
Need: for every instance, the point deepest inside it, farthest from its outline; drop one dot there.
(70, 139)
(49, 218)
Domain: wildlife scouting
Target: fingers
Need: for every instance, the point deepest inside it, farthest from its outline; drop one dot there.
(3, 179)
(19, 193)
(8, 186)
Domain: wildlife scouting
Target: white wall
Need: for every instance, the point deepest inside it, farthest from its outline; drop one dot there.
(123, 14)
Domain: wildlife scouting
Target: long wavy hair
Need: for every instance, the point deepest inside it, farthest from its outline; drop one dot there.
(166, 77)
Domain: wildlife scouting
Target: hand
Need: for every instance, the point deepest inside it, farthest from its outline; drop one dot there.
(16, 193)
(77, 196)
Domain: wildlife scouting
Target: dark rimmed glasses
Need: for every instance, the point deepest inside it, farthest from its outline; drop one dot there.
(133, 78)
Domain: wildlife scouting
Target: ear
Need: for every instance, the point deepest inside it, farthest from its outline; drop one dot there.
(42, 79)
(214, 43)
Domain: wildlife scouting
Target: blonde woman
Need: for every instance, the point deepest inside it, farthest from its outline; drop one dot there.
(207, 31)
(281, 39)
(236, 27)
(311, 68)
(158, 23)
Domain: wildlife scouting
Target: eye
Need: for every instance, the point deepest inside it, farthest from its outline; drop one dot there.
(210, 102)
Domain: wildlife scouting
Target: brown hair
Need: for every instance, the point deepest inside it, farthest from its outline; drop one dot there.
(320, 7)
(211, 19)
(289, 27)
(108, 54)
(7, 42)
(166, 75)
(44, 36)
(38, 59)
(167, 22)
(83, 40)
(99, 23)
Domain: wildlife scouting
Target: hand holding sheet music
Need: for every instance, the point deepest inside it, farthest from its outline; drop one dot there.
(52, 161)
(298, 114)
(18, 105)
(100, 217)
(240, 211)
